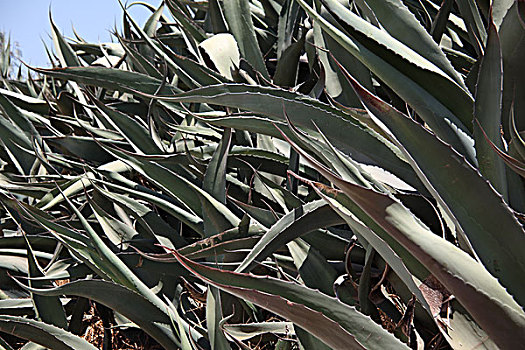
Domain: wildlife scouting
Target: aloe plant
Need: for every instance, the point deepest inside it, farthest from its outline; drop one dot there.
(270, 174)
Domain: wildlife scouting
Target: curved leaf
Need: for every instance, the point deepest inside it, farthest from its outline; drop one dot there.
(123, 300)
(449, 122)
(42, 333)
(179, 187)
(338, 325)
(498, 239)
(298, 222)
(487, 111)
(476, 289)
(239, 20)
(366, 146)
(111, 78)
(399, 22)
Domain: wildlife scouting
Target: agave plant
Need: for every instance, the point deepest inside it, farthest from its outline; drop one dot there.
(270, 174)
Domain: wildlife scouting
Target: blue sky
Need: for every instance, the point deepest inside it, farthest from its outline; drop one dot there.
(27, 21)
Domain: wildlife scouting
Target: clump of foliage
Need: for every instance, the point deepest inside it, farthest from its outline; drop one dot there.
(10, 55)
(211, 180)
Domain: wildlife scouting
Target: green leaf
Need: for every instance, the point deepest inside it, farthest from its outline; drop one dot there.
(308, 341)
(487, 111)
(213, 318)
(299, 221)
(286, 70)
(249, 330)
(288, 20)
(154, 320)
(135, 132)
(111, 79)
(42, 333)
(17, 116)
(465, 332)
(239, 20)
(179, 187)
(117, 232)
(194, 221)
(470, 12)
(215, 184)
(335, 84)
(83, 147)
(346, 209)
(69, 188)
(188, 71)
(338, 325)
(114, 266)
(193, 31)
(146, 217)
(345, 166)
(399, 22)
(79, 245)
(215, 17)
(439, 24)
(498, 239)
(215, 176)
(223, 52)
(15, 142)
(48, 309)
(475, 288)
(366, 146)
(499, 10)
(150, 27)
(514, 164)
(183, 331)
(224, 245)
(314, 269)
(66, 55)
(27, 103)
(331, 246)
(359, 221)
(138, 62)
(443, 104)
(512, 39)
(365, 304)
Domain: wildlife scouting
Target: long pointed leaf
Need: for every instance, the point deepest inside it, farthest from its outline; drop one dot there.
(443, 120)
(476, 289)
(154, 320)
(498, 238)
(42, 333)
(300, 221)
(487, 111)
(239, 20)
(367, 145)
(338, 325)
